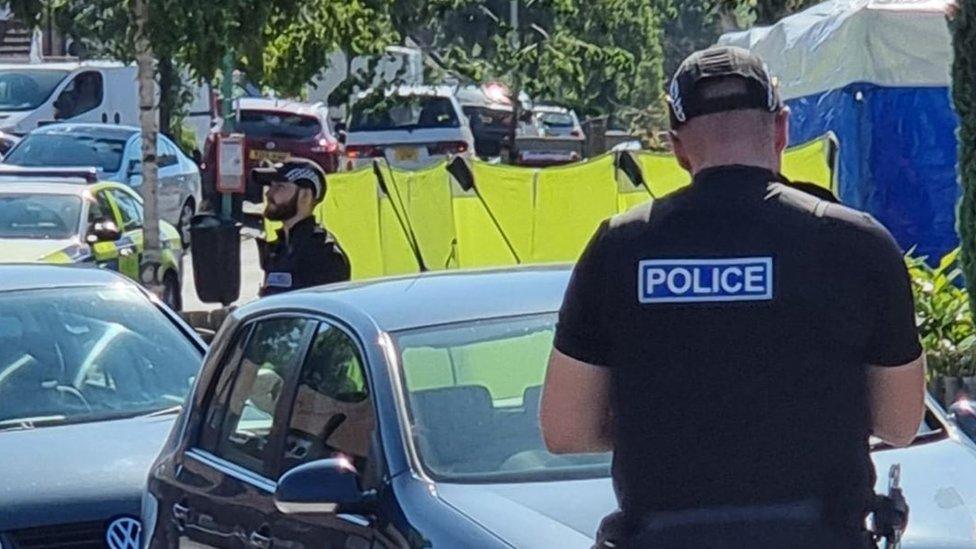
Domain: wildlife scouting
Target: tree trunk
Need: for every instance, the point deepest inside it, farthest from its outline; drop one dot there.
(152, 254)
(168, 93)
(963, 26)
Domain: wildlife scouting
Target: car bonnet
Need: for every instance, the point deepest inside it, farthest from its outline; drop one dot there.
(86, 471)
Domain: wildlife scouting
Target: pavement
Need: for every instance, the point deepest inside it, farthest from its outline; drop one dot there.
(251, 277)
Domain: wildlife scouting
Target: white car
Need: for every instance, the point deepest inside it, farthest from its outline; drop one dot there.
(410, 126)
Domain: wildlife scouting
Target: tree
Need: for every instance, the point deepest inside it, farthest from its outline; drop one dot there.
(963, 25)
(284, 42)
(601, 57)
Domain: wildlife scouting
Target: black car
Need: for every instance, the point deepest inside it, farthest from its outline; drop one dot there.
(93, 371)
(404, 413)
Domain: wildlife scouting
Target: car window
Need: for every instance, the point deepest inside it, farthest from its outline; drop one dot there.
(403, 113)
(81, 95)
(39, 216)
(270, 356)
(129, 208)
(167, 153)
(71, 149)
(278, 124)
(24, 89)
(332, 412)
(472, 382)
(99, 208)
(89, 354)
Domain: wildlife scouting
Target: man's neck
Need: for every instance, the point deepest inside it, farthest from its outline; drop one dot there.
(290, 223)
(772, 165)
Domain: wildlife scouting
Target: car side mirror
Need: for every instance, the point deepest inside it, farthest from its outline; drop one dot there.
(103, 230)
(326, 486)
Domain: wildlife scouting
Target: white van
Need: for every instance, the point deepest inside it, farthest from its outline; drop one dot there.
(35, 94)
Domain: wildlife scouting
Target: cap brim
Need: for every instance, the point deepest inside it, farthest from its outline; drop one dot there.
(264, 176)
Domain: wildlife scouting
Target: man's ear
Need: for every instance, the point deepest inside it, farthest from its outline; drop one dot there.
(782, 129)
(679, 150)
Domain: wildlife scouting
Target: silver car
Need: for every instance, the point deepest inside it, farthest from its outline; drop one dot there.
(116, 152)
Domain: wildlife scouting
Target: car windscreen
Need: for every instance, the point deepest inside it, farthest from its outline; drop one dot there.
(556, 120)
(69, 149)
(83, 354)
(403, 112)
(39, 216)
(473, 394)
(27, 89)
(277, 124)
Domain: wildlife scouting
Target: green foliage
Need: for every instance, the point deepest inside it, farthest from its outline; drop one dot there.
(943, 317)
(597, 56)
(963, 26)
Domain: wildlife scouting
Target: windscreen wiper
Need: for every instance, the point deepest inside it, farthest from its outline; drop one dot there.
(31, 422)
(165, 411)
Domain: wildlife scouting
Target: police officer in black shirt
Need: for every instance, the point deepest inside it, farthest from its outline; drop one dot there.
(736, 342)
(304, 254)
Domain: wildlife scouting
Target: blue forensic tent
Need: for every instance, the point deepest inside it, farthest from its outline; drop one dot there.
(876, 73)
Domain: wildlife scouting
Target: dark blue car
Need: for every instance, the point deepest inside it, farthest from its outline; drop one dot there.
(404, 413)
(92, 373)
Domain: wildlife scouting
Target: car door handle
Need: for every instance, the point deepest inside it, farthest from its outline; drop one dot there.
(260, 538)
(181, 512)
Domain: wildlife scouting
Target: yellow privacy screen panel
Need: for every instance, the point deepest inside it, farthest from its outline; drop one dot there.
(424, 197)
(508, 195)
(479, 241)
(570, 202)
(350, 212)
(810, 162)
(662, 173)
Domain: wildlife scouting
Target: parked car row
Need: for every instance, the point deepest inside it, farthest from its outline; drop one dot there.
(400, 413)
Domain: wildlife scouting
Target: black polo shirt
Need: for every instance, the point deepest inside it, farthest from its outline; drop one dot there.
(306, 256)
(736, 317)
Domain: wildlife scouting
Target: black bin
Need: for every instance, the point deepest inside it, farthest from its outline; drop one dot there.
(216, 258)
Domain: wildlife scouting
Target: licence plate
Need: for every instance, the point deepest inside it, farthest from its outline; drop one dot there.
(406, 154)
(271, 156)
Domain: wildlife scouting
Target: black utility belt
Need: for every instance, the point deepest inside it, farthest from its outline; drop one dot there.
(807, 511)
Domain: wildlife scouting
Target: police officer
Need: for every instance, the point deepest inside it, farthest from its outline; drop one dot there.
(736, 342)
(304, 254)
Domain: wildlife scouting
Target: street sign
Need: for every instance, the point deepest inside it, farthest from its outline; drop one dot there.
(230, 164)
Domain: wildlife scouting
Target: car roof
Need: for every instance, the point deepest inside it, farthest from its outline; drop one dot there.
(62, 65)
(99, 130)
(19, 277)
(12, 185)
(271, 104)
(429, 299)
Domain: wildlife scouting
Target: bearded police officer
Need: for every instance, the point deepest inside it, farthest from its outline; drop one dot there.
(787, 317)
(304, 254)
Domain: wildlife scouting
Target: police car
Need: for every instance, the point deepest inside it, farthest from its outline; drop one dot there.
(66, 216)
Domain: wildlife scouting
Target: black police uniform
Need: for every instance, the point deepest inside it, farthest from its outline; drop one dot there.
(736, 317)
(307, 256)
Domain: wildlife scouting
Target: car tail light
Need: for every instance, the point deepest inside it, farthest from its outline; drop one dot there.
(326, 145)
(363, 151)
(449, 147)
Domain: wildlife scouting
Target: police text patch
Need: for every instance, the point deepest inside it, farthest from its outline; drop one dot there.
(705, 280)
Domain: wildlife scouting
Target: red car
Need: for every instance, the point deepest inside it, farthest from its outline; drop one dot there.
(274, 130)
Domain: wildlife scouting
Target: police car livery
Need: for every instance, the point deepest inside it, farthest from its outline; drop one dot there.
(62, 216)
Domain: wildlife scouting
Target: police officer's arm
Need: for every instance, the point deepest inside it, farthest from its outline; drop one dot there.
(575, 409)
(896, 371)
